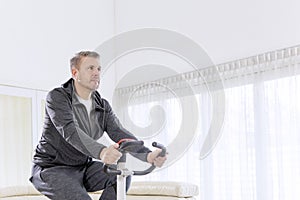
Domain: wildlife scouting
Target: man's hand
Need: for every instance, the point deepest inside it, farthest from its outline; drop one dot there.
(111, 154)
(153, 158)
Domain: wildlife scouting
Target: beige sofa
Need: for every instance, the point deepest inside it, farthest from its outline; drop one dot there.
(137, 191)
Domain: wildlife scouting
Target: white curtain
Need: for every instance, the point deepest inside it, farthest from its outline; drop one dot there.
(256, 155)
(15, 140)
(21, 120)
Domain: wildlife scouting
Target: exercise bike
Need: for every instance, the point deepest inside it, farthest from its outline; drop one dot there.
(122, 172)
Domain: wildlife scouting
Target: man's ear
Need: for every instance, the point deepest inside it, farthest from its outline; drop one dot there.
(74, 72)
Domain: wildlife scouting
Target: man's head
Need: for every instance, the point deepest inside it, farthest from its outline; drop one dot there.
(85, 69)
(76, 60)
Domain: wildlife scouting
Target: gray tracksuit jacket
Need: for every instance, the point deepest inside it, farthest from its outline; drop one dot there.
(69, 138)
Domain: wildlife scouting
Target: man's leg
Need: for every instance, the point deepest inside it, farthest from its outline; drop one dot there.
(60, 182)
(96, 179)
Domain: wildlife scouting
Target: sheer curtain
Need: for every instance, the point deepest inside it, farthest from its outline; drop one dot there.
(16, 139)
(257, 154)
(21, 117)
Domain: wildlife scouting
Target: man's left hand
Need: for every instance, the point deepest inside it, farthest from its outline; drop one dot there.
(153, 158)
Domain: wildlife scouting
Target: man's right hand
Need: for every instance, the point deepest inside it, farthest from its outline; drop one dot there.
(110, 155)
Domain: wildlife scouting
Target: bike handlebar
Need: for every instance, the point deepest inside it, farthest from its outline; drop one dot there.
(160, 146)
(123, 148)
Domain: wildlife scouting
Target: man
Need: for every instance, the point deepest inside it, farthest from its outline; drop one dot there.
(76, 117)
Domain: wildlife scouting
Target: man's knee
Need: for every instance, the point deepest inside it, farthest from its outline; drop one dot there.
(57, 185)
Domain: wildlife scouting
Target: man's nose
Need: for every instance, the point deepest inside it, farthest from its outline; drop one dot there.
(96, 72)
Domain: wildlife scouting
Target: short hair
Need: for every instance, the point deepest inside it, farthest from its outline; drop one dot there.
(75, 61)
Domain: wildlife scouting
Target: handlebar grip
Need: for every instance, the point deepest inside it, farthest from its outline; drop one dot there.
(109, 170)
(160, 146)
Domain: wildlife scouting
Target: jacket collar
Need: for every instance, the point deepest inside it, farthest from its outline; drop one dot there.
(69, 88)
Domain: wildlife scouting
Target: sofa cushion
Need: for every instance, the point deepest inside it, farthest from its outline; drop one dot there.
(28, 192)
(162, 188)
(19, 190)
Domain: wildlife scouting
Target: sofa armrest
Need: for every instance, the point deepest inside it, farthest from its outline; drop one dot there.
(161, 188)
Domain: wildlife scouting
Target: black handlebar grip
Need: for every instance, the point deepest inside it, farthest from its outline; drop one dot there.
(109, 170)
(160, 146)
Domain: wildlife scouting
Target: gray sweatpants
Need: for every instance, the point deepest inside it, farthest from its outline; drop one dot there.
(73, 183)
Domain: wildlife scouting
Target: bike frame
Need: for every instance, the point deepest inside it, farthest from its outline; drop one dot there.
(122, 172)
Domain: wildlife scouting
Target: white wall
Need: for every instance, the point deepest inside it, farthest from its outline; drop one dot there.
(227, 30)
(39, 37)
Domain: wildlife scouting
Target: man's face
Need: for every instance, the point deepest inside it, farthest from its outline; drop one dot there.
(88, 74)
